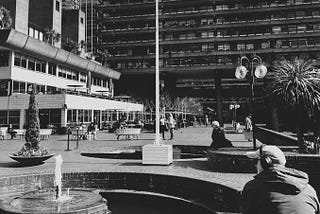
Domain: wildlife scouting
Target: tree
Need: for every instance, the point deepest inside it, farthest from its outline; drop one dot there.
(296, 86)
(51, 36)
(71, 46)
(5, 18)
(32, 137)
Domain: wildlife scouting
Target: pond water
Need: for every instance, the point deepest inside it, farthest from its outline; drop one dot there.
(137, 203)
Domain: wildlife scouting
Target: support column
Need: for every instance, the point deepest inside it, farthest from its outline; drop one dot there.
(89, 81)
(64, 117)
(170, 83)
(22, 118)
(217, 84)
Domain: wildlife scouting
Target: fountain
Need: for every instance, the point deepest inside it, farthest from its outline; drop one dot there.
(53, 201)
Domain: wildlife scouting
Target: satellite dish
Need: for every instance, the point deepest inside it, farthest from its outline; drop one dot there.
(260, 71)
(241, 72)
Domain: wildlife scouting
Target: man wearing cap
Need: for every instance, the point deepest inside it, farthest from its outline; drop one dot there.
(277, 189)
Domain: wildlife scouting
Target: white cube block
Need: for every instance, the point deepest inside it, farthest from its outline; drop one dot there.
(157, 154)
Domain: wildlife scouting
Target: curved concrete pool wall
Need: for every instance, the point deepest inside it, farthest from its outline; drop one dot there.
(208, 194)
(211, 195)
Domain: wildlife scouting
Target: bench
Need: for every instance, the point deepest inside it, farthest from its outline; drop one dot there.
(129, 133)
(20, 133)
(78, 134)
(45, 134)
(3, 133)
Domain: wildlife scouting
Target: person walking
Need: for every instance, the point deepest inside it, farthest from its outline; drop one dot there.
(171, 124)
(277, 189)
(248, 123)
(248, 128)
(206, 120)
(162, 126)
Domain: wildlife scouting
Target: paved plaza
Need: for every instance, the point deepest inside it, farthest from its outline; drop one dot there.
(197, 168)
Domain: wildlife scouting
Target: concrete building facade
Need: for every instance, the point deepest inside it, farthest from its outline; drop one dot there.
(71, 89)
(201, 42)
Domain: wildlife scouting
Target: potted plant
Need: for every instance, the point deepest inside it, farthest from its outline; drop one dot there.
(31, 152)
(296, 86)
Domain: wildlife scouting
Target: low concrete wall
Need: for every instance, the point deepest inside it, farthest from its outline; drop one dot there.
(214, 196)
(235, 160)
(271, 137)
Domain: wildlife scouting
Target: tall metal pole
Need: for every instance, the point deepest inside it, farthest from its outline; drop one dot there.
(86, 28)
(253, 110)
(157, 137)
(91, 27)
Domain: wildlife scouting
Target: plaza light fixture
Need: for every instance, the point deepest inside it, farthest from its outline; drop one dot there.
(259, 72)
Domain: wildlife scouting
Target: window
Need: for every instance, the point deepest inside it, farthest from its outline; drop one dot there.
(16, 88)
(41, 66)
(57, 6)
(4, 58)
(40, 36)
(31, 64)
(31, 32)
(52, 69)
(265, 44)
(36, 34)
(81, 20)
(82, 77)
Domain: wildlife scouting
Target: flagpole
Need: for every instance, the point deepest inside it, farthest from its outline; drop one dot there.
(157, 137)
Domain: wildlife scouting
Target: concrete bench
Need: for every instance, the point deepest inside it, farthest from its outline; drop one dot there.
(45, 134)
(129, 133)
(3, 134)
(20, 133)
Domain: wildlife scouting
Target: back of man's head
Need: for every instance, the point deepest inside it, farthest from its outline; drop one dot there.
(268, 155)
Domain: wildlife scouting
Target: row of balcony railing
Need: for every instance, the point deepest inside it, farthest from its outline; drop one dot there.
(286, 47)
(222, 65)
(151, 41)
(213, 24)
(294, 44)
(220, 7)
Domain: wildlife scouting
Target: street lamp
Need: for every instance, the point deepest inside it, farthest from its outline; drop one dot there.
(259, 72)
(234, 107)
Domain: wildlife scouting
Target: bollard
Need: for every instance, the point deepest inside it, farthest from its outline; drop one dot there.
(68, 145)
(77, 145)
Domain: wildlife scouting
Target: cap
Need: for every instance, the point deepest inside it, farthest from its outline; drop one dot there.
(215, 123)
(273, 152)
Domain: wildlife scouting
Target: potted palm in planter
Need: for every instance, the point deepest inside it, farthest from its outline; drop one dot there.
(296, 86)
(31, 152)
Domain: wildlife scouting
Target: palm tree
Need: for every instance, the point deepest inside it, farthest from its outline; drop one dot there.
(296, 86)
(5, 18)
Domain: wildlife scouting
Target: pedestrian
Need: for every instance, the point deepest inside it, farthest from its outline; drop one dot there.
(194, 121)
(248, 123)
(92, 131)
(171, 125)
(206, 120)
(218, 137)
(162, 126)
(277, 189)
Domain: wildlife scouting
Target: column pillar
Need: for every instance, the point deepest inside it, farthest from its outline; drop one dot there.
(64, 117)
(89, 81)
(22, 118)
(170, 83)
(218, 89)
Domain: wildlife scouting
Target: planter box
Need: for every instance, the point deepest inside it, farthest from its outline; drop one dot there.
(157, 154)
